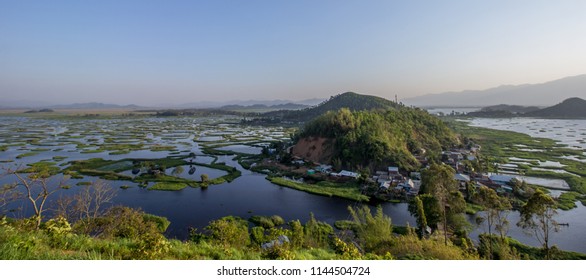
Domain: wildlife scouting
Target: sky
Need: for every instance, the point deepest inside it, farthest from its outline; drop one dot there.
(172, 52)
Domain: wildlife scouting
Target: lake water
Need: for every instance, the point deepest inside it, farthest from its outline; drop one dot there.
(449, 111)
(569, 238)
(250, 194)
(567, 132)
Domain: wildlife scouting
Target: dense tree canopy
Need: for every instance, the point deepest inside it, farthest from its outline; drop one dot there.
(379, 138)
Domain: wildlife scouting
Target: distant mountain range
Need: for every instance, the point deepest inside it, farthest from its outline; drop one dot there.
(94, 105)
(571, 108)
(234, 104)
(351, 100)
(286, 106)
(515, 109)
(89, 105)
(545, 94)
(211, 104)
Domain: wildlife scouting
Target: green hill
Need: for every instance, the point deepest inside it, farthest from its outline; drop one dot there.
(350, 100)
(375, 138)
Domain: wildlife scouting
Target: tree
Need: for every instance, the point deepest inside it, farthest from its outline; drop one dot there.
(431, 210)
(364, 176)
(204, 180)
(537, 216)
(419, 215)
(439, 181)
(34, 187)
(7, 195)
(177, 171)
(495, 211)
(89, 203)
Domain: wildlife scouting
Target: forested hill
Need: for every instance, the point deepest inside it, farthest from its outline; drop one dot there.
(350, 100)
(569, 108)
(375, 139)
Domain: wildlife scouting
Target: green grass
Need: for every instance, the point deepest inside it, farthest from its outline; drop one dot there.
(347, 190)
(233, 173)
(109, 169)
(42, 165)
(60, 242)
(168, 186)
(108, 175)
(160, 148)
(122, 147)
(567, 200)
(117, 166)
(59, 158)
(535, 253)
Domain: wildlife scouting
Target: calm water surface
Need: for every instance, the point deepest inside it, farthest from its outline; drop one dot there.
(250, 194)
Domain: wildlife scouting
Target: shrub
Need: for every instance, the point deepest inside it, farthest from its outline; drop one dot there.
(316, 233)
(257, 234)
(277, 220)
(372, 231)
(161, 222)
(297, 235)
(229, 232)
(345, 250)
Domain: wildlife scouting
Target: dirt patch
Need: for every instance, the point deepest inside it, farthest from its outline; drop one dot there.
(316, 149)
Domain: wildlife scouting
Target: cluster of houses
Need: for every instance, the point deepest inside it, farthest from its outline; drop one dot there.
(387, 180)
(400, 184)
(393, 181)
(455, 158)
(327, 169)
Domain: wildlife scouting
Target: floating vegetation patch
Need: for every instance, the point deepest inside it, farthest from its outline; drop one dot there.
(43, 166)
(168, 186)
(160, 148)
(59, 158)
(29, 154)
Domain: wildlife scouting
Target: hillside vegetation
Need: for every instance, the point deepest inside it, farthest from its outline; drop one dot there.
(378, 138)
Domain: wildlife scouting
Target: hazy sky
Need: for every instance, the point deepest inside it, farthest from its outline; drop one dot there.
(171, 52)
